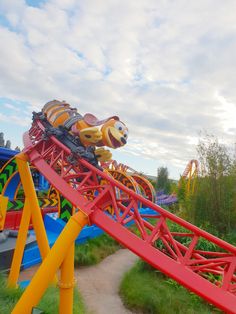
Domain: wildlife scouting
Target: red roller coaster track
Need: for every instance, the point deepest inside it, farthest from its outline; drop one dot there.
(177, 254)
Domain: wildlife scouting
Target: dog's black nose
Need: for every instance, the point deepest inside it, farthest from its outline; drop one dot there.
(123, 140)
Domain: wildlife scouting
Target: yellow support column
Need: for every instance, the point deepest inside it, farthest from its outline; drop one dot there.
(20, 245)
(3, 210)
(30, 194)
(67, 283)
(49, 266)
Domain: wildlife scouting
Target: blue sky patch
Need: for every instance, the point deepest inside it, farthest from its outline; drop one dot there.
(107, 71)
(5, 22)
(35, 3)
(9, 105)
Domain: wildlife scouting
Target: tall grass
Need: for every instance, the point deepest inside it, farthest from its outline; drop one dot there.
(148, 291)
(95, 250)
(49, 303)
(212, 205)
(92, 252)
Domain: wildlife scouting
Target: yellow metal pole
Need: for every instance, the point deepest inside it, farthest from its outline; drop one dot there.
(67, 283)
(20, 245)
(49, 266)
(3, 210)
(30, 194)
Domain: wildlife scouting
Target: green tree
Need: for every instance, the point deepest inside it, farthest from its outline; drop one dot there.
(153, 182)
(214, 200)
(163, 182)
(181, 193)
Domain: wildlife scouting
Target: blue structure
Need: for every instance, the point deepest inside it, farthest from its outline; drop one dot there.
(6, 154)
(43, 183)
(54, 226)
(40, 183)
(165, 199)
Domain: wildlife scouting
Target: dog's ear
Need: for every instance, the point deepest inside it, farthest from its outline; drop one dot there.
(91, 120)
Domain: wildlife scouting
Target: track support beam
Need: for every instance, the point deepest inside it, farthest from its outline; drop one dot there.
(31, 210)
(61, 253)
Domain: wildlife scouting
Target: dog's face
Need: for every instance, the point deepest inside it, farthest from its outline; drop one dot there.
(114, 133)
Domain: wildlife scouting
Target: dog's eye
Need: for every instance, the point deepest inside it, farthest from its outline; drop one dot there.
(126, 134)
(119, 126)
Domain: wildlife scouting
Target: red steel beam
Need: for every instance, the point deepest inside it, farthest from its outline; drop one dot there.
(185, 263)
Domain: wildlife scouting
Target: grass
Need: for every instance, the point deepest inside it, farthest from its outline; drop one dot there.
(148, 291)
(92, 252)
(49, 303)
(95, 250)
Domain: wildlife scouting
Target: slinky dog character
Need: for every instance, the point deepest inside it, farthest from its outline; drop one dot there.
(110, 132)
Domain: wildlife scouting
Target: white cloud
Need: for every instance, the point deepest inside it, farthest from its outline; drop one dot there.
(11, 107)
(14, 120)
(26, 121)
(2, 117)
(158, 65)
(227, 113)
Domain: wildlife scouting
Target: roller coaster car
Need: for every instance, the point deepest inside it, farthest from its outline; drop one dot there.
(112, 132)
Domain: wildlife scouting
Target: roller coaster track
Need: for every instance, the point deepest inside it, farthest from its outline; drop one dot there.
(131, 179)
(190, 175)
(157, 239)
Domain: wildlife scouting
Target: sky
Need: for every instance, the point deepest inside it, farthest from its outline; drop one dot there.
(166, 68)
